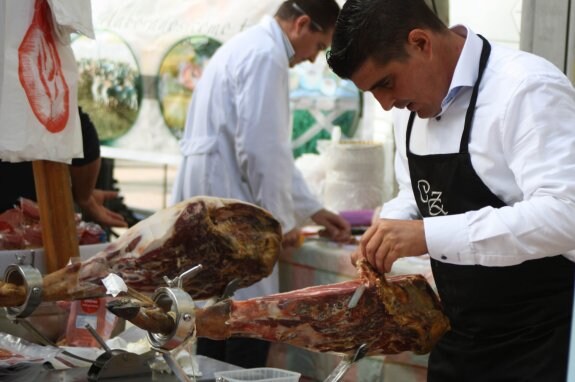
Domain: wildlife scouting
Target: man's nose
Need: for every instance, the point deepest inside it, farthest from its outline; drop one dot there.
(385, 100)
(313, 57)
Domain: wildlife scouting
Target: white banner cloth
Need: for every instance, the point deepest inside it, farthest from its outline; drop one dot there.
(39, 80)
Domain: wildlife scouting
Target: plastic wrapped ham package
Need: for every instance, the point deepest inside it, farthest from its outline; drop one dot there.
(15, 350)
(20, 228)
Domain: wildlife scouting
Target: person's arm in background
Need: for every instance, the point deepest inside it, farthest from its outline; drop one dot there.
(84, 175)
(91, 200)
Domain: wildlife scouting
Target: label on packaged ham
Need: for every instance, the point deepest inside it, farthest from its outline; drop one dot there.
(90, 305)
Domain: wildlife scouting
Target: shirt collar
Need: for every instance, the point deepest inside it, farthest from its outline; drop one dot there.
(287, 45)
(278, 31)
(467, 68)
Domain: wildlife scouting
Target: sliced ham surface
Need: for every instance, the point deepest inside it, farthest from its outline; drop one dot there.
(400, 313)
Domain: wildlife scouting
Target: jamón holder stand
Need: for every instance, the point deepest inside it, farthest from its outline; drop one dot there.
(31, 278)
(112, 364)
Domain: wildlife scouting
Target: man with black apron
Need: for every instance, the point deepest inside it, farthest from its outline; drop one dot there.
(487, 185)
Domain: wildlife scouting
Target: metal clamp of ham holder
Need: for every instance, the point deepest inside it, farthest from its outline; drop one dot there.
(178, 304)
(31, 278)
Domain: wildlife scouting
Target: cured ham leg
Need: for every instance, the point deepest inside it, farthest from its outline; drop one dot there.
(400, 314)
(231, 239)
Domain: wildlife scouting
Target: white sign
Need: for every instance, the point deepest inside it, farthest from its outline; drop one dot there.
(38, 80)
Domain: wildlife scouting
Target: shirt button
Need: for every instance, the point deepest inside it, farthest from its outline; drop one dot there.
(443, 257)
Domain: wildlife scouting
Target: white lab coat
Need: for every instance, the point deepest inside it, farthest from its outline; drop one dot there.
(237, 138)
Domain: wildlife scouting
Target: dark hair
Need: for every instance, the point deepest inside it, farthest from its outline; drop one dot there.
(321, 12)
(376, 29)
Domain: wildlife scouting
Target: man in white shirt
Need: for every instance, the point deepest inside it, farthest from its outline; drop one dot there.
(236, 142)
(486, 169)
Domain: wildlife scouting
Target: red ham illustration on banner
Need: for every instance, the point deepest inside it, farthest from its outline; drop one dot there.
(40, 71)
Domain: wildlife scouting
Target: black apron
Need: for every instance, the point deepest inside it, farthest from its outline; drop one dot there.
(507, 323)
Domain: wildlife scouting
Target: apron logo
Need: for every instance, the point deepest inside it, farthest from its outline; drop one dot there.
(432, 198)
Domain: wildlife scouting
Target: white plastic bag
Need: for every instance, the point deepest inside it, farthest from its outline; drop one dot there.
(38, 86)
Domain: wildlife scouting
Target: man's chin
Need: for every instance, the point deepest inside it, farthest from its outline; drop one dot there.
(423, 114)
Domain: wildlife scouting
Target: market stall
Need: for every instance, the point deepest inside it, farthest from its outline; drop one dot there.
(174, 257)
(171, 319)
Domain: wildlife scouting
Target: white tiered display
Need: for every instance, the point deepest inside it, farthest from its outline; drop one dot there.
(354, 179)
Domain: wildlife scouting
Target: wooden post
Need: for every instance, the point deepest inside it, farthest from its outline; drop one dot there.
(54, 193)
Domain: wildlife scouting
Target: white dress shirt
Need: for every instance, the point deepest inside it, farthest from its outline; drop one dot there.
(522, 146)
(236, 142)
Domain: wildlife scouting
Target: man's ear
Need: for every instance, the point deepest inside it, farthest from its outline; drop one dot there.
(301, 22)
(419, 40)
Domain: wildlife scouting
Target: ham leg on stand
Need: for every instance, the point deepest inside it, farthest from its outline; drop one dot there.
(230, 238)
(398, 314)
